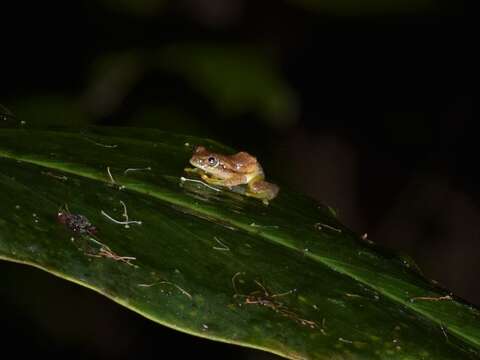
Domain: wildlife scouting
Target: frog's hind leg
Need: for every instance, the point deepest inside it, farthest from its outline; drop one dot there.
(262, 190)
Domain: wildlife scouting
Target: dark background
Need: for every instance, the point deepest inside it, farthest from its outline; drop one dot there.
(366, 106)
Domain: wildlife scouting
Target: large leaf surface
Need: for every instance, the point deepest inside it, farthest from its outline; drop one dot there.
(211, 263)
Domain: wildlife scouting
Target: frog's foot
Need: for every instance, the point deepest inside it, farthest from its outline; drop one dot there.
(265, 199)
(262, 190)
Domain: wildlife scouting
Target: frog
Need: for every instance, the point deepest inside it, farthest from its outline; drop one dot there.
(233, 170)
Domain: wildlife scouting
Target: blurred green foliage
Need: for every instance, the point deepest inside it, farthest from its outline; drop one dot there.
(234, 79)
(200, 59)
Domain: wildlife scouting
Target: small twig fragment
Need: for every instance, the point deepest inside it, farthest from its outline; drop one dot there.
(120, 222)
(112, 180)
(106, 252)
(125, 214)
(323, 327)
(184, 179)
(183, 291)
(443, 331)
(264, 226)
(353, 295)
(431, 298)
(222, 246)
(137, 169)
(320, 226)
(55, 176)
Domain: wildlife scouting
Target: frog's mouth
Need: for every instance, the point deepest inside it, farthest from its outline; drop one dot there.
(197, 163)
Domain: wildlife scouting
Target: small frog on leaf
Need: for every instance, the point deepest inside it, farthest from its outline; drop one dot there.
(233, 170)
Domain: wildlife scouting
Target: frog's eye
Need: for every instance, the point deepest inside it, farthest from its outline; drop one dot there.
(212, 161)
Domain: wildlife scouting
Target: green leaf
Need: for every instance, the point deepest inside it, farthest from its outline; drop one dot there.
(287, 278)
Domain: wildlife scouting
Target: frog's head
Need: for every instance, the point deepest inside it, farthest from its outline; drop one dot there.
(208, 161)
